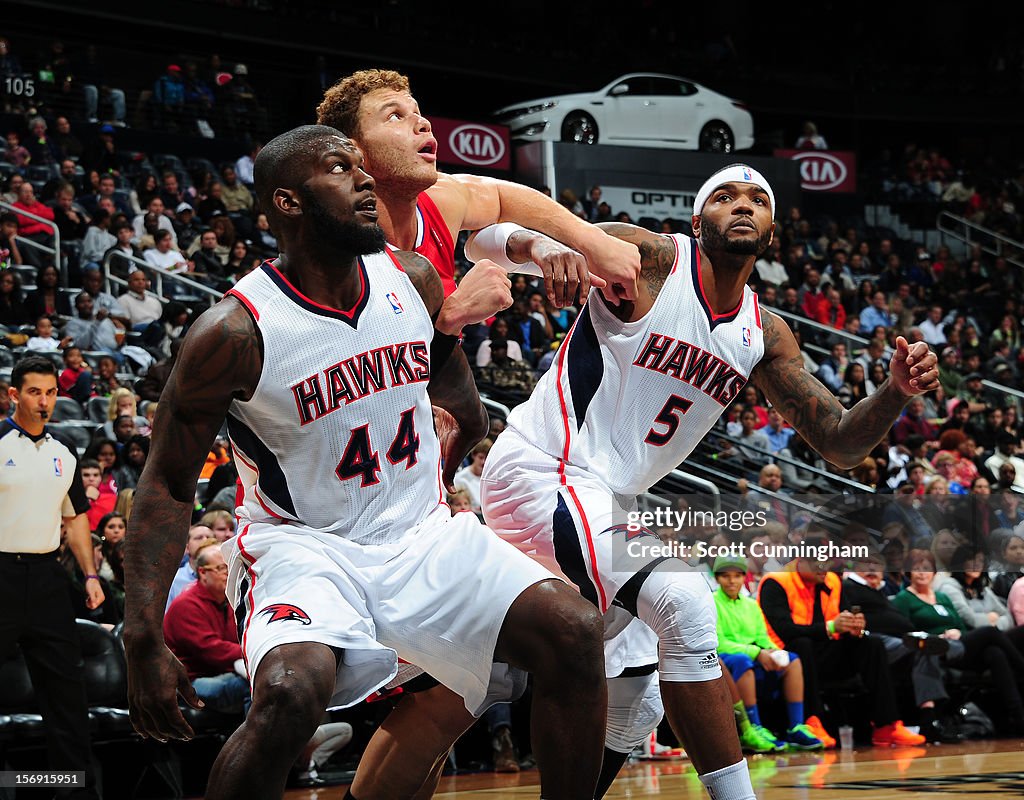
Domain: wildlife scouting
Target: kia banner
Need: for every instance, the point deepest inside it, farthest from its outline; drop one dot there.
(471, 144)
(824, 170)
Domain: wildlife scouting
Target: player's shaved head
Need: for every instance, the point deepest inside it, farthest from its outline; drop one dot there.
(283, 162)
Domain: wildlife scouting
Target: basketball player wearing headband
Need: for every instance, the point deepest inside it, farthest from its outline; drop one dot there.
(632, 391)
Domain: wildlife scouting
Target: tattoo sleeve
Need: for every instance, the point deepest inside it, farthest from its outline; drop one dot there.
(220, 360)
(657, 253)
(843, 437)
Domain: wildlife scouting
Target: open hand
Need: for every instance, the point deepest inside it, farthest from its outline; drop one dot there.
(565, 271)
(155, 679)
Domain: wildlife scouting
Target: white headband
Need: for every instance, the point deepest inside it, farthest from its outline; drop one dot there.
(735, 173)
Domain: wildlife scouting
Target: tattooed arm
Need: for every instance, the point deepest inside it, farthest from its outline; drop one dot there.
(842, 437)
(219, 360)
(657, 257)
(463, 420)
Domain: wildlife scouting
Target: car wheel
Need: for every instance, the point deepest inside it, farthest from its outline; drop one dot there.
(716, 137)
(579, 127)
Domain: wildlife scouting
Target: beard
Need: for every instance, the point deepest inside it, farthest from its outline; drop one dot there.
(347, 236)
(714, 239)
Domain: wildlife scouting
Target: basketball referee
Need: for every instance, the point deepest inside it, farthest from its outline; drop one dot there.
(39, 484)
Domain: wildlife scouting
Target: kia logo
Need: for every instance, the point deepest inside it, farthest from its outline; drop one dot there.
(820, 172)
(476, 144)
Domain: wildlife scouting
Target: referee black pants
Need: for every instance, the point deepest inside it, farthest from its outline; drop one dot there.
(36, 613)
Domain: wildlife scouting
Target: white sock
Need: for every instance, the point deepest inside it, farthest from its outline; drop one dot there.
(729, 783)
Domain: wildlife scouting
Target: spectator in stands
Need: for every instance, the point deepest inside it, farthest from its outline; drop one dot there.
(171, 193)
(90, 76)
(240, 262)
(810, 139)
(833, 369)
(121, 255)
(207, 262)
(753, 444)
(933, 326)
(199, 536)
(777, 431)
(145, 189)
(67, 143)
(265, 242)
(42, 150)
(808, 621)
(200, 100)
(15, 153)
(244, 165)
(70, 218)
(107, 189)
(169, 99)
(75, 380)
(133, 459)
(913, 422)
(186, 227)
(790, 303)
(975, 650)
(972, 392)
(829, 309)
(506, 373)
(862, 587)
(163, 222)
(13, 313)
(527, 331)
(877, 314)
(142, 309)
(244, 113)
(99, 493)
(854, 388)
(104, 452)
(810, 294)
(200, 630)
(1007, 448)
(165, 256)
(946, 463)
(236, 196)
(47, 299)
(104, 381)
(221, 522)
(29, 228)
(750, 656)
(468, 478)
(500, 330)
(212, 204)
(10, 253)
(90, 332)
(42, 339)
(873, 354)
(102, 154)
(65, 175)
(1011, 563)
(969, 587)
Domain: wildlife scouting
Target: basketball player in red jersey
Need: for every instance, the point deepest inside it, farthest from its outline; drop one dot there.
(333, 575)
(423, 210)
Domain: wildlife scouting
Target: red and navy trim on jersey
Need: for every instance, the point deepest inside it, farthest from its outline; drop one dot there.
(435, 243)
(271, 476)
(585, 365)
(351, 316)
(714, 320)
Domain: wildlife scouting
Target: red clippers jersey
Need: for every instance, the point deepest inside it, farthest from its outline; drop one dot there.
(434, 241)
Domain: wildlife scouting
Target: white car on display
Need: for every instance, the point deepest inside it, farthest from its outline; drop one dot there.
(640, 109)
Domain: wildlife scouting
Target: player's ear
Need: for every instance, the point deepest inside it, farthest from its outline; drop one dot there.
(695, 224)
(287, 202)
(772, 237)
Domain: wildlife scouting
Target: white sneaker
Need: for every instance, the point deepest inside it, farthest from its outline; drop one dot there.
(328, 740)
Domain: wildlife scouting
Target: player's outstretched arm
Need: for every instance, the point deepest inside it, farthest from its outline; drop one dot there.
(451, 388)
(843, 437)
(219, 360)
(479, 201)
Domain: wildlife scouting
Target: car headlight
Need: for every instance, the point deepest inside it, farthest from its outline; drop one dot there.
(527, 110)
(529, 130)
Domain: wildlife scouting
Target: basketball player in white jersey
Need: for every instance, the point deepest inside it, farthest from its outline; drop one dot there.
(346, 558)
(632, 391)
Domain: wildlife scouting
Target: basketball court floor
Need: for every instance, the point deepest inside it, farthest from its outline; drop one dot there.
(984, 769)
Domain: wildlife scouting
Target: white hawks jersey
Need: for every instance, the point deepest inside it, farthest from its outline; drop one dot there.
(628, 401)
(339, 434)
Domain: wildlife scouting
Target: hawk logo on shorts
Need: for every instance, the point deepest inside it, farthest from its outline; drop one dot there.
(280, 611)
(632, 531)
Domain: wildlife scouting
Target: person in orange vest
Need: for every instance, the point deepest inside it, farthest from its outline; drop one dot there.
(801, 607)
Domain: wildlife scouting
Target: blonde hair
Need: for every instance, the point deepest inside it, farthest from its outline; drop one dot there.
(123, 505)
(211, 518)
(340, 106)
(116, 395)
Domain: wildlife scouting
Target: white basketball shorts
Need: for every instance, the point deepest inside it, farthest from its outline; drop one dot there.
(436, 599)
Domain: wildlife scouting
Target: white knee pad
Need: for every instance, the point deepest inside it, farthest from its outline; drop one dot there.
(679, 608)
(634, 710)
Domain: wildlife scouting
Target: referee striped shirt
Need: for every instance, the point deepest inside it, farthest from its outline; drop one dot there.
(39, 484)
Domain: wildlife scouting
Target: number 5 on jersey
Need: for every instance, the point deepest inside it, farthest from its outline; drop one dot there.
(668, 417)
(361, 460)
